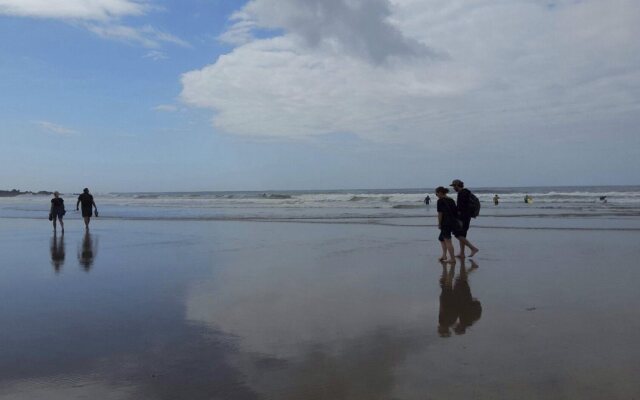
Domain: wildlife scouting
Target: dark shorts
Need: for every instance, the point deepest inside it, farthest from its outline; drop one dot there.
(58, 213)
(87, 212)
(445, 233)
(465, 228)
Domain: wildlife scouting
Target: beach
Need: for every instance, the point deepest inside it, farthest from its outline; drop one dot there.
(347, 308)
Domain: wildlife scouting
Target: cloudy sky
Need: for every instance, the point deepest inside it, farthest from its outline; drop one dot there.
(153, 95)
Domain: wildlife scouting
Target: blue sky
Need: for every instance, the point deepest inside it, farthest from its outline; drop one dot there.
(132, 95)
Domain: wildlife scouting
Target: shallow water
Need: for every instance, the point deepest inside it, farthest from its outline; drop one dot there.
(268, 310)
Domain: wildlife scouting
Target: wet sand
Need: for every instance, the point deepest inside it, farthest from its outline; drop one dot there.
(271, 310)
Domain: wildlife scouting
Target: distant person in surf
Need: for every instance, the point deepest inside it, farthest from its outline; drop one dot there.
(427, 200)
(57, 211)
(465, 204)
(86, 200)
(496, 200)
(603, 199)
(447, 220)
(528, 199)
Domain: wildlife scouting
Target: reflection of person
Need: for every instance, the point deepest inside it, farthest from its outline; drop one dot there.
(469, 308)
(427, 200)
(458, 308)
(464, 205)
(87, 251)
(447, 219)
(448, 313)
(496, 199)
(86, 200)
(57, 252)
(57, 210)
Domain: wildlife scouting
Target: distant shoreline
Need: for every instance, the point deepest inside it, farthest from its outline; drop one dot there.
(14, 193)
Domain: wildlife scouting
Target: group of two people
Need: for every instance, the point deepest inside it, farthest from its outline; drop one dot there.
(454, 218)
(85, 200)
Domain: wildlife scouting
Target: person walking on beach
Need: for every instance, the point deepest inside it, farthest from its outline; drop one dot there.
(86, 200)
(464, 213)
(57, 211)
(496, 199)
(427, 200)
(447, 219)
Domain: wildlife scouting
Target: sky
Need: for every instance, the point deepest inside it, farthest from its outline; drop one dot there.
(198, 95)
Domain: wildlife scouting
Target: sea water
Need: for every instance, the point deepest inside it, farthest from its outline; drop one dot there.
(394, 206)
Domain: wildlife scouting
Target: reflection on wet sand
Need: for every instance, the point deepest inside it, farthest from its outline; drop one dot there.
(87, 251)
(458, 308)
(57, 252)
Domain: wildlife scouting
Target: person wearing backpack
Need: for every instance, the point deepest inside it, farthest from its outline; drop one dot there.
(468, 207)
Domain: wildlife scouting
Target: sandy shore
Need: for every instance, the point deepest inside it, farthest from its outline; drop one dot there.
(269, 310)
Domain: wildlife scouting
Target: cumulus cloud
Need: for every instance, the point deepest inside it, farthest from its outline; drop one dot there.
(55, 128)
(410, 70)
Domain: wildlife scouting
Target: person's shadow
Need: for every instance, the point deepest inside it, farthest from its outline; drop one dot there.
(458, 308)
(87, 251)
(57, 252)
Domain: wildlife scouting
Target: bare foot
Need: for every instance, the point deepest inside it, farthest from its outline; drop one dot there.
(442, 258)
(460, 255)
(450, 261)
(474, 252)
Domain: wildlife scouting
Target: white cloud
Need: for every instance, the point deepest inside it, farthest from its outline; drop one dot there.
(98, 16)
(73, 9)
(419, 71)
(156, 55)
(146, 36)
(55, 128)
(166, 108)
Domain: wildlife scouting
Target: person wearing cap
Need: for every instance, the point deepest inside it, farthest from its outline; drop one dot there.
(463, 204)
(88, 205)
(57, 211)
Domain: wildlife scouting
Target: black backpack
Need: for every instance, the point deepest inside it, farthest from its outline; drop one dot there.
(474, 205)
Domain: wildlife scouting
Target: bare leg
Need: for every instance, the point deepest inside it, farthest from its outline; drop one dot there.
(61, 224)
(444, 251)
(54, 225)
(449, 246)
(465, 242)
(86, 222)
(461, 253)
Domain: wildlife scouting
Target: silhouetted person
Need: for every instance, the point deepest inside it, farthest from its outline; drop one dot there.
(86, 200)
(57, 252)
(496, 199)
(87, 251)
(463, 203)
(57, 211)
(427, 200)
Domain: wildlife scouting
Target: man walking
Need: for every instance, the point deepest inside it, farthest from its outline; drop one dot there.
(464, 212)
(86, 200)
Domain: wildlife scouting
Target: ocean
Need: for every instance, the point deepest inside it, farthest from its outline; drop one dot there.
(390, 206)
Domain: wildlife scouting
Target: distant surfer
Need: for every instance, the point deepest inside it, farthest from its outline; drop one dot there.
(86, 200)
(603, 199)
(528, 199)
(427, 200)
(496, 199)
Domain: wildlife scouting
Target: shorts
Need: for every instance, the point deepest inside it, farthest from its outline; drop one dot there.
(465, 228)
(87, 212)
(58, 213)
(445, 233)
